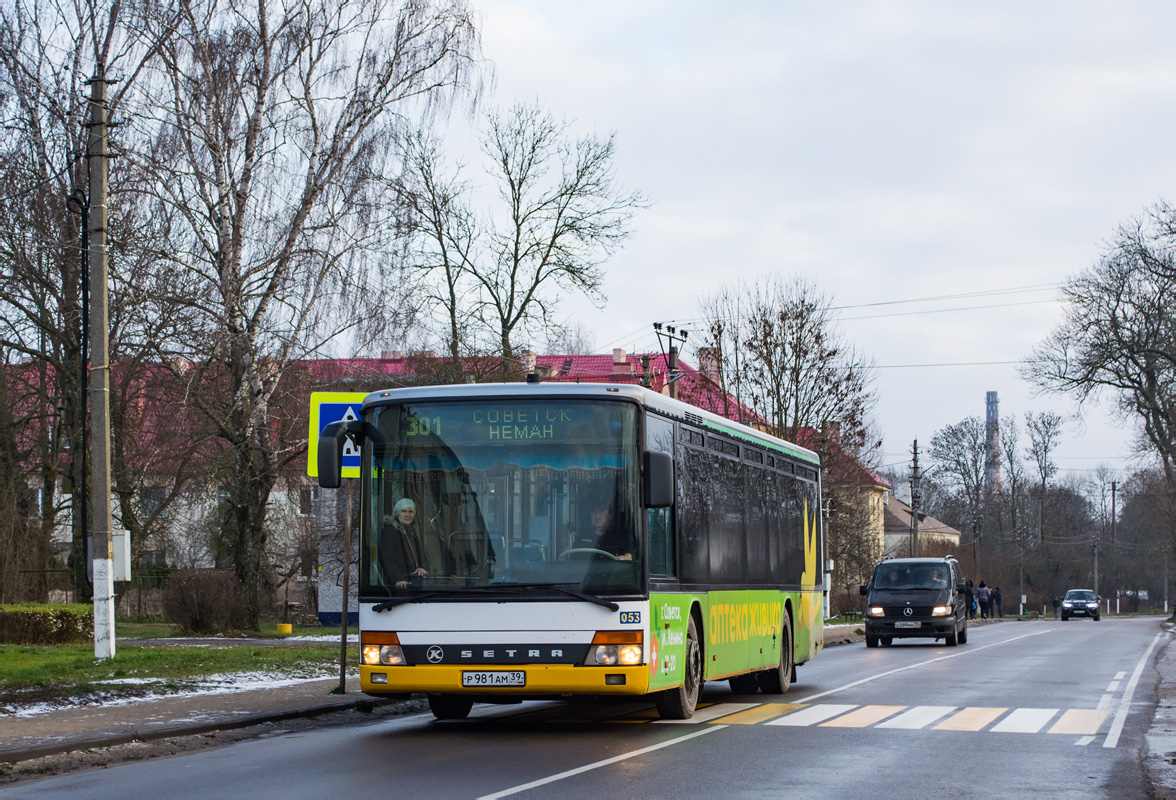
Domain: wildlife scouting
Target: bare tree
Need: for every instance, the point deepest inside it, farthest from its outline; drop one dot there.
(47, 53)
(268, 140)
(562, 214)
(1119, 334)
(444, 229)
(572, 339)
(779, 347)
(958, 455)
(1044, 430)
(1012, 467)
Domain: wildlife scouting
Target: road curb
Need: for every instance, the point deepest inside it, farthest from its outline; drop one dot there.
(12, 755)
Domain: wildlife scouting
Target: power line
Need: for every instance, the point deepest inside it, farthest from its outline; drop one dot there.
(946, 310)
(39, 184)
(1040, 287)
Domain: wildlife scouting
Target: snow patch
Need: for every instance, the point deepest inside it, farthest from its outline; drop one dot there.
(208, 685)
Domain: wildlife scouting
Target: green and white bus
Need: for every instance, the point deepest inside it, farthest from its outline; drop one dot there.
(539, 540)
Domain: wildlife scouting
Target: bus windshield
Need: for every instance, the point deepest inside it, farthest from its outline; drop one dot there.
(500, 496)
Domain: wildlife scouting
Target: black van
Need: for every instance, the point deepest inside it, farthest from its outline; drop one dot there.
(916, 598)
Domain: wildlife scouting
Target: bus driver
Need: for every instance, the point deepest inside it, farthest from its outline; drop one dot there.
(604, 535)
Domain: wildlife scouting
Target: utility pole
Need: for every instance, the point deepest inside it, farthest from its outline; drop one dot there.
(99, 382)
(975, 549)
(916, 498)
(1114, 486)
(1094, 547)
(346, 592)
(674, 337)
(646, 375)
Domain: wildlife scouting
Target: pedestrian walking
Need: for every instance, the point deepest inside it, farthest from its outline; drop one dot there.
(1056, 605)
(982, 597)
(969, 599)
(997, 601)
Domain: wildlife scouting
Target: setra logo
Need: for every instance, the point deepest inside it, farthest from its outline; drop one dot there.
(435, 654)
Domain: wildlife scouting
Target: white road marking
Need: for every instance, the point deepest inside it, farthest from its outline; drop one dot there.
(598, 764)
(1105, 702)
(1120, 676)
(1125, 703)
(918, 717)
(811, 697)
(1085, 740)
(1024, 720)
(710, 712)
(811, 716)
(1113, 686)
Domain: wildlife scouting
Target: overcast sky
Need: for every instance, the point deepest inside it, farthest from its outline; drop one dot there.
(887, 150)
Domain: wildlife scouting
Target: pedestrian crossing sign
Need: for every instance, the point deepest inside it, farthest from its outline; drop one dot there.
(325, 408)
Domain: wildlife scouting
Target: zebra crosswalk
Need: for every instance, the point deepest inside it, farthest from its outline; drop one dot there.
(1085, 722)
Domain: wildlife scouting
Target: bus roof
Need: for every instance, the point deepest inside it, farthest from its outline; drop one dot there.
(638, 394)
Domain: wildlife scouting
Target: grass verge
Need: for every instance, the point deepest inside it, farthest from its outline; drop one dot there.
(31, 674)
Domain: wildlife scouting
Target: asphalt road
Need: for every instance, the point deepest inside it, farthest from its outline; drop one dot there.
(1048, 708)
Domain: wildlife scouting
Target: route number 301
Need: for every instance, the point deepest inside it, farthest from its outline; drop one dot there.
(633, 617)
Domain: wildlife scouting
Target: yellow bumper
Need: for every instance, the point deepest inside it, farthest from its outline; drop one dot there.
(542, 679)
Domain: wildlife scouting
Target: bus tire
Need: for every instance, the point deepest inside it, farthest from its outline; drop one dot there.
(450, 706)
(777, 681)
(679, 703)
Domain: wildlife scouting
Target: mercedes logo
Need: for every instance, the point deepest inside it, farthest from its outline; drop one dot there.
(907, 611)
(435, 654)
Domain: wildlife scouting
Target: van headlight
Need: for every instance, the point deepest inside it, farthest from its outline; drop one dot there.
(941, 611)
(877, 611)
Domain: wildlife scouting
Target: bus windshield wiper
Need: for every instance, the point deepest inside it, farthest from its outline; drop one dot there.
(404, 598)
(436, 591)
(590, 598)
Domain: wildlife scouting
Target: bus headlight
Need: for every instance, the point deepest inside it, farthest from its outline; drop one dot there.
(381, 647)
(629, 654)
(603, 654)
(610, 648)
(386, 654)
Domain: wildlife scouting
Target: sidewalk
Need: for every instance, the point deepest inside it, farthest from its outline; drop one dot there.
(84, 727)
(1160, 754)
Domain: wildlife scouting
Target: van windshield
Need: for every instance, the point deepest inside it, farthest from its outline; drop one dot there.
(910, 576)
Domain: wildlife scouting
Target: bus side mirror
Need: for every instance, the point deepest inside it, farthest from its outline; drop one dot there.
(961, 588)
(330, 451)
(863, 590)
(657, 480)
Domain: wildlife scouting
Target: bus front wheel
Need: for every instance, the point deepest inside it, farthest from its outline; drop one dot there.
(450, 706)
(679, 703)
(777, 681)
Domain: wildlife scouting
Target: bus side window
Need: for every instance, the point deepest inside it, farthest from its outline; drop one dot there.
(659, 437)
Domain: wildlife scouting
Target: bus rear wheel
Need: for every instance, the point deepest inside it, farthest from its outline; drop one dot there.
(679, 703)
(450, 706)
(777, 681)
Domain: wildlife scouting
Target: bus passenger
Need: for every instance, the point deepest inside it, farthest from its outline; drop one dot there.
(400, 546)
(604, 535)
